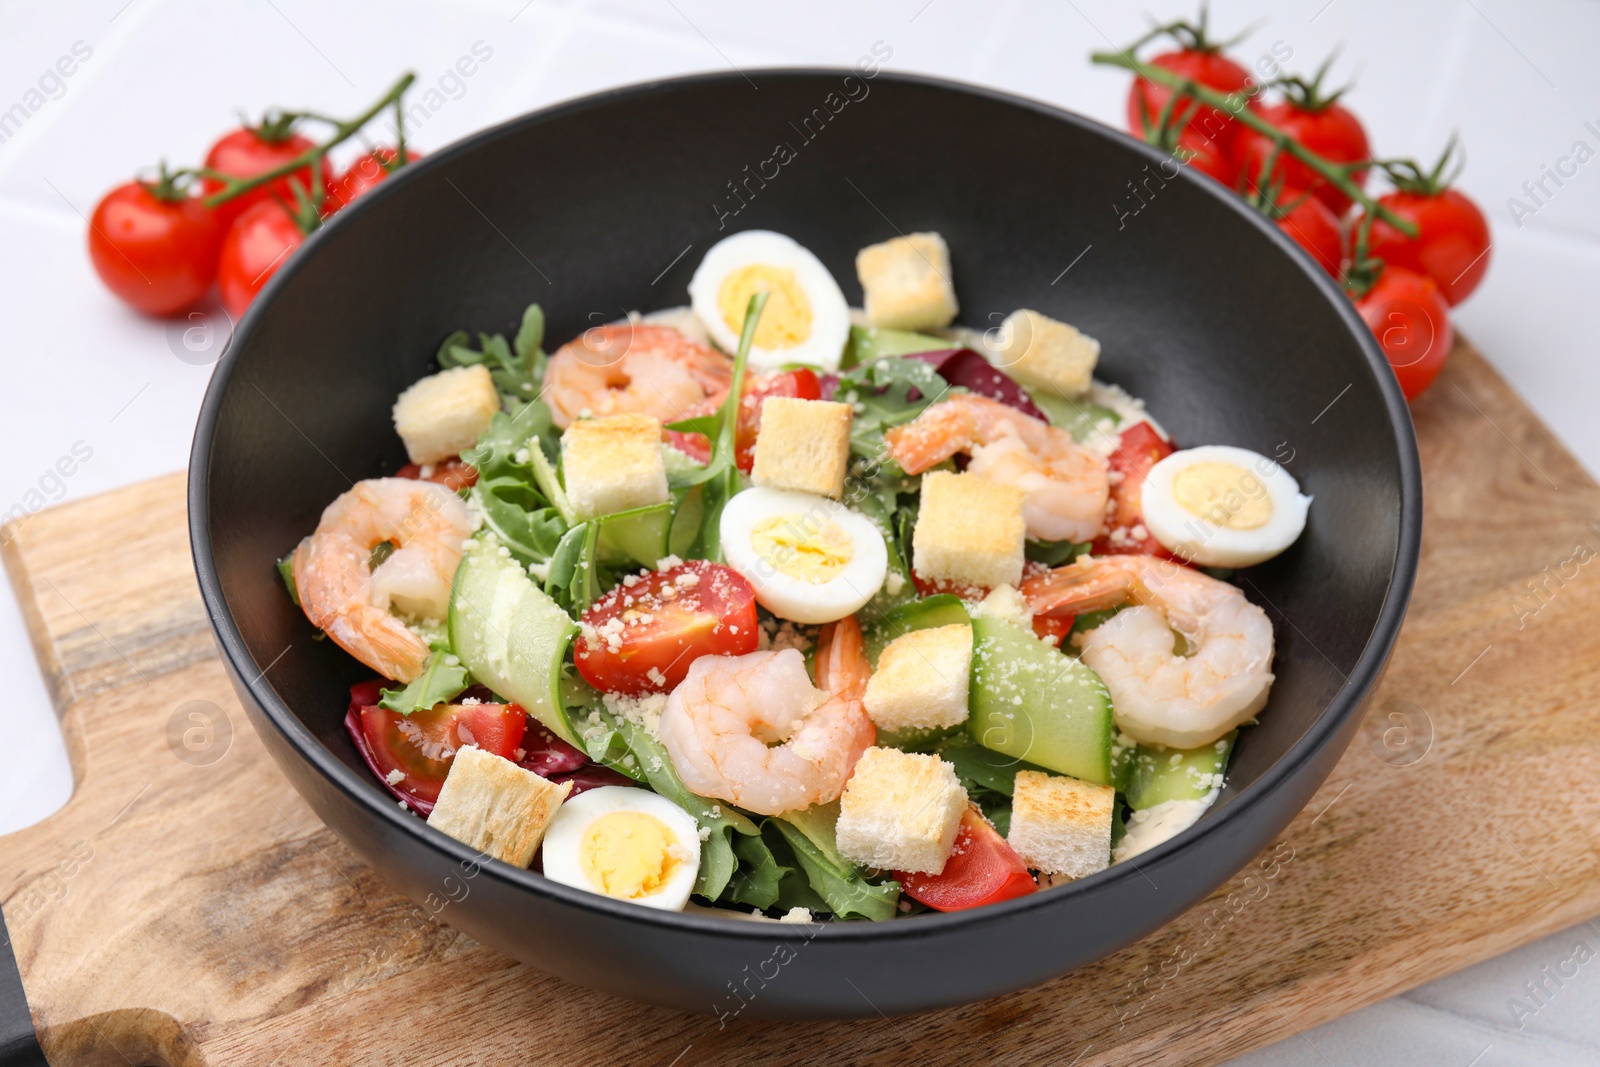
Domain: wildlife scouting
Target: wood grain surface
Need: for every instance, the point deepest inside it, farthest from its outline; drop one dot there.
(193, 911)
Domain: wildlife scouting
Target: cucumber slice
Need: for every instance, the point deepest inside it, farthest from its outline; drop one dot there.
(1160, 774)
(639, 536)
(511, 636)
(1035, 703)
(1078, 417)
(940, 610)
(868, 343)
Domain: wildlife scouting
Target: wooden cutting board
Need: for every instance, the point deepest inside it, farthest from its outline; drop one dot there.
(193, 911)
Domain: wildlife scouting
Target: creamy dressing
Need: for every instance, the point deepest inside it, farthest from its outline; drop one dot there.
(1148, 828)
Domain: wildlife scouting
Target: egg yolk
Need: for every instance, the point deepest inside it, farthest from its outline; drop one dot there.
(786, 322)
(628, 854)
(1224, 494)
(797, 546)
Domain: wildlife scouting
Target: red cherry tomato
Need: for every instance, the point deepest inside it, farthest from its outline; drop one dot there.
(1411, 320)
(1205, 66)
(1332, 132)
(1314, 227)
(157, 255)
(941, 586)
(244, 153)
(1207, 156)
(422, 745)
(451, 473)
(258, 243)
(1139, 449)
(1053, 628)
(802, 384)
(982, 869)
(362, 174)
(641, 637)
(1452, 242)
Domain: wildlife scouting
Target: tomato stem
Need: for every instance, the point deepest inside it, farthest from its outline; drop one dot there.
(1308, 95)
(171, 186)
(313, 157)
(1408, 176)
(1336, 174)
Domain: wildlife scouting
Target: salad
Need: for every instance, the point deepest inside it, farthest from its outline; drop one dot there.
(792, 611)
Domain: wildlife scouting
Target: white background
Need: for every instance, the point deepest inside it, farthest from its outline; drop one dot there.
(165, 77)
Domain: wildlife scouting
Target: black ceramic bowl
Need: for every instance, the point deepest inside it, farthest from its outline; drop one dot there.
(607, 204)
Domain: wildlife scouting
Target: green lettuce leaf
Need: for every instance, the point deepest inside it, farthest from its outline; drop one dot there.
(442, 680)
(517, 369)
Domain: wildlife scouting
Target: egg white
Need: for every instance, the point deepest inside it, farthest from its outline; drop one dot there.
(830, 314)
(564, 838)
(794, 598)
(1210, 544)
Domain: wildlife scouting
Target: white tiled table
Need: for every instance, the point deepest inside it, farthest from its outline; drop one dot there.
(163, 77)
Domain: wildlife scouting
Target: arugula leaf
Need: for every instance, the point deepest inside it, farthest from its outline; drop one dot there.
(983, 768)
(286, 572)
(442, 680)
(517, 371)
(1054, 553)
(719, 479)
(886, 393)
(840, 885)
(573, 580)
(759, 878)
(519, 518)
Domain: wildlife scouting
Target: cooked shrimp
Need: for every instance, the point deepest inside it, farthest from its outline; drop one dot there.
(842, 667)
(1066, 484)
(752, 730)
(1160, 696)
(350, 601)
(629, 367)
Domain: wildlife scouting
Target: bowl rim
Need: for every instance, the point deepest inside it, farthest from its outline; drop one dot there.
(1349, 698)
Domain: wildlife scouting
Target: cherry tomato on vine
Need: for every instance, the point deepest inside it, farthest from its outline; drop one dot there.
(1206, 155)
(1411, 320)
(258, 243)
(361, 175)
(1207, 66)
(1330, 130)
(1314, 227)
(155, 247)
(1452, 242)
(248, 151)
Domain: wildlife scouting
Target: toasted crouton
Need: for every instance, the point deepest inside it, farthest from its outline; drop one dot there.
(444, 413)
(969, 530)
(921, 679)
(1040, 352)
(900, 811)
(613, 464)
(906, 283)
(495, 806)
(1060, 825)
(804, 445)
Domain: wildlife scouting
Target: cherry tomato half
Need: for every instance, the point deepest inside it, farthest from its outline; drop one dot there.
(1139, 449)
(801, 383)
(244, 153)
(642, 636)
(452, 473)
(258, 243)
(982, 869)
(422, 745)
(1411, 320)
(157, 255)
(1332, 131)
(1452, 242)
(364, 173)
(1313, 226)
(1208, 67)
